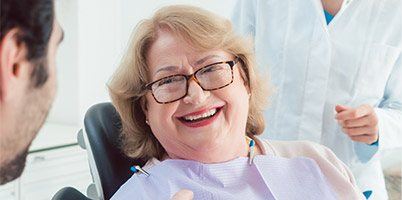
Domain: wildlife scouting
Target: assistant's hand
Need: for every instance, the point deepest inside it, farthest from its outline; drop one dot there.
(360, 124)
(183, 195)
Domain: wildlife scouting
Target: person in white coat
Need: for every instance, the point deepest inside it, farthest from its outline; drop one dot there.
(337, 70)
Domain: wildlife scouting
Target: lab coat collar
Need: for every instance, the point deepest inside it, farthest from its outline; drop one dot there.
(346, 5)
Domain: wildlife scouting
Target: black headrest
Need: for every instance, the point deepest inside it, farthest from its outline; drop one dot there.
(103, 127)
(69, 193)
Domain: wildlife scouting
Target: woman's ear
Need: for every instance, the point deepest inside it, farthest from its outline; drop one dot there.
(245, 80)
(247, 85)
(144, 107)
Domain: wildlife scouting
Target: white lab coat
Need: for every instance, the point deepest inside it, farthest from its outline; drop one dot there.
(354, 60)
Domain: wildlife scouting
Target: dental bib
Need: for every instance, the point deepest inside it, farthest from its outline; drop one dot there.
(268, 177)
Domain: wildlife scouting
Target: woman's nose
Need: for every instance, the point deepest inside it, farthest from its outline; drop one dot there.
(195, 94)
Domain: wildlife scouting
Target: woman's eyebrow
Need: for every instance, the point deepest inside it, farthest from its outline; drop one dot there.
(167, 68)
(202, 60)
(175, 68)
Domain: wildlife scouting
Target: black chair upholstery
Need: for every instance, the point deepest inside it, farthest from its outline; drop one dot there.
(69, 193)
(102, 126)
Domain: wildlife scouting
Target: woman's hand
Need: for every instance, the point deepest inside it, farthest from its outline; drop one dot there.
(183, 195)
(360, 124)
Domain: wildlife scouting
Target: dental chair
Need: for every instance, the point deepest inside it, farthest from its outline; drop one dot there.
(110, 168)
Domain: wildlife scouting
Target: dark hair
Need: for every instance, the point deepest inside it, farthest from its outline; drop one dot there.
(34, 19)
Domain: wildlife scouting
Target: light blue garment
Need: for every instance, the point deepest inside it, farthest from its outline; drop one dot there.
(354, 60)
(328, 16)
(268, 178)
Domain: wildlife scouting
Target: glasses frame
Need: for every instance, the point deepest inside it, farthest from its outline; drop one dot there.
(192, 76)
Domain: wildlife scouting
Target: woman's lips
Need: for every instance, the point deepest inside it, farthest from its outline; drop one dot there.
(199, 119)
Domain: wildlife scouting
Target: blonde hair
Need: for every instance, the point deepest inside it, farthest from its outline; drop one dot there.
(200, 28)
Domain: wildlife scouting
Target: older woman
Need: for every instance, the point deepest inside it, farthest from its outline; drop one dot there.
(191, 104)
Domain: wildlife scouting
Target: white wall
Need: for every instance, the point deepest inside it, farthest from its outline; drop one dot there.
(65, 108)
(99, 39)
(96, 36)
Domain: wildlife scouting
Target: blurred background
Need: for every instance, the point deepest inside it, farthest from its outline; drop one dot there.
(96, 36)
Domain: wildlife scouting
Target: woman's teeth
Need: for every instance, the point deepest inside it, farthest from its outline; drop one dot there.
(201, 116)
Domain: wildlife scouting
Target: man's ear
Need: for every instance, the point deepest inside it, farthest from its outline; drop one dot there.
(12, 59)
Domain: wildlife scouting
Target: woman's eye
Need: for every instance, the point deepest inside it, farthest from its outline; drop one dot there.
(165, 81)
(169, 81)
(211, 69)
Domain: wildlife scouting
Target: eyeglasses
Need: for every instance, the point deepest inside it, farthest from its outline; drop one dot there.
(175, 87)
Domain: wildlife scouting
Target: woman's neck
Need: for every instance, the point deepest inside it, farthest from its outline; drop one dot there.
(218, 155)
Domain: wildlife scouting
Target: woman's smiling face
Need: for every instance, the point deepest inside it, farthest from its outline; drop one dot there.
(207, 126)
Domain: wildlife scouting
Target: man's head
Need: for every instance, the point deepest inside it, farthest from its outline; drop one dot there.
(29, 38)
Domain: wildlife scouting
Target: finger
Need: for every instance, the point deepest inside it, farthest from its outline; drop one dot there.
(364, 110)
(368, 139)
(359, 131)
(354, 123)
(354, 113)
(340, 108)
(183, 195)
(341, 123)
(346, 114)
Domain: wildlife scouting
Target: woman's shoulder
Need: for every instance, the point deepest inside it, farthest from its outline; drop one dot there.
(336, 172)
(291, 149)
(324, 156)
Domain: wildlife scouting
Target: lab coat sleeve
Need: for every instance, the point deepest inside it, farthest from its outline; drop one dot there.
(389, 114)
(243, 17)
(389, 111)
